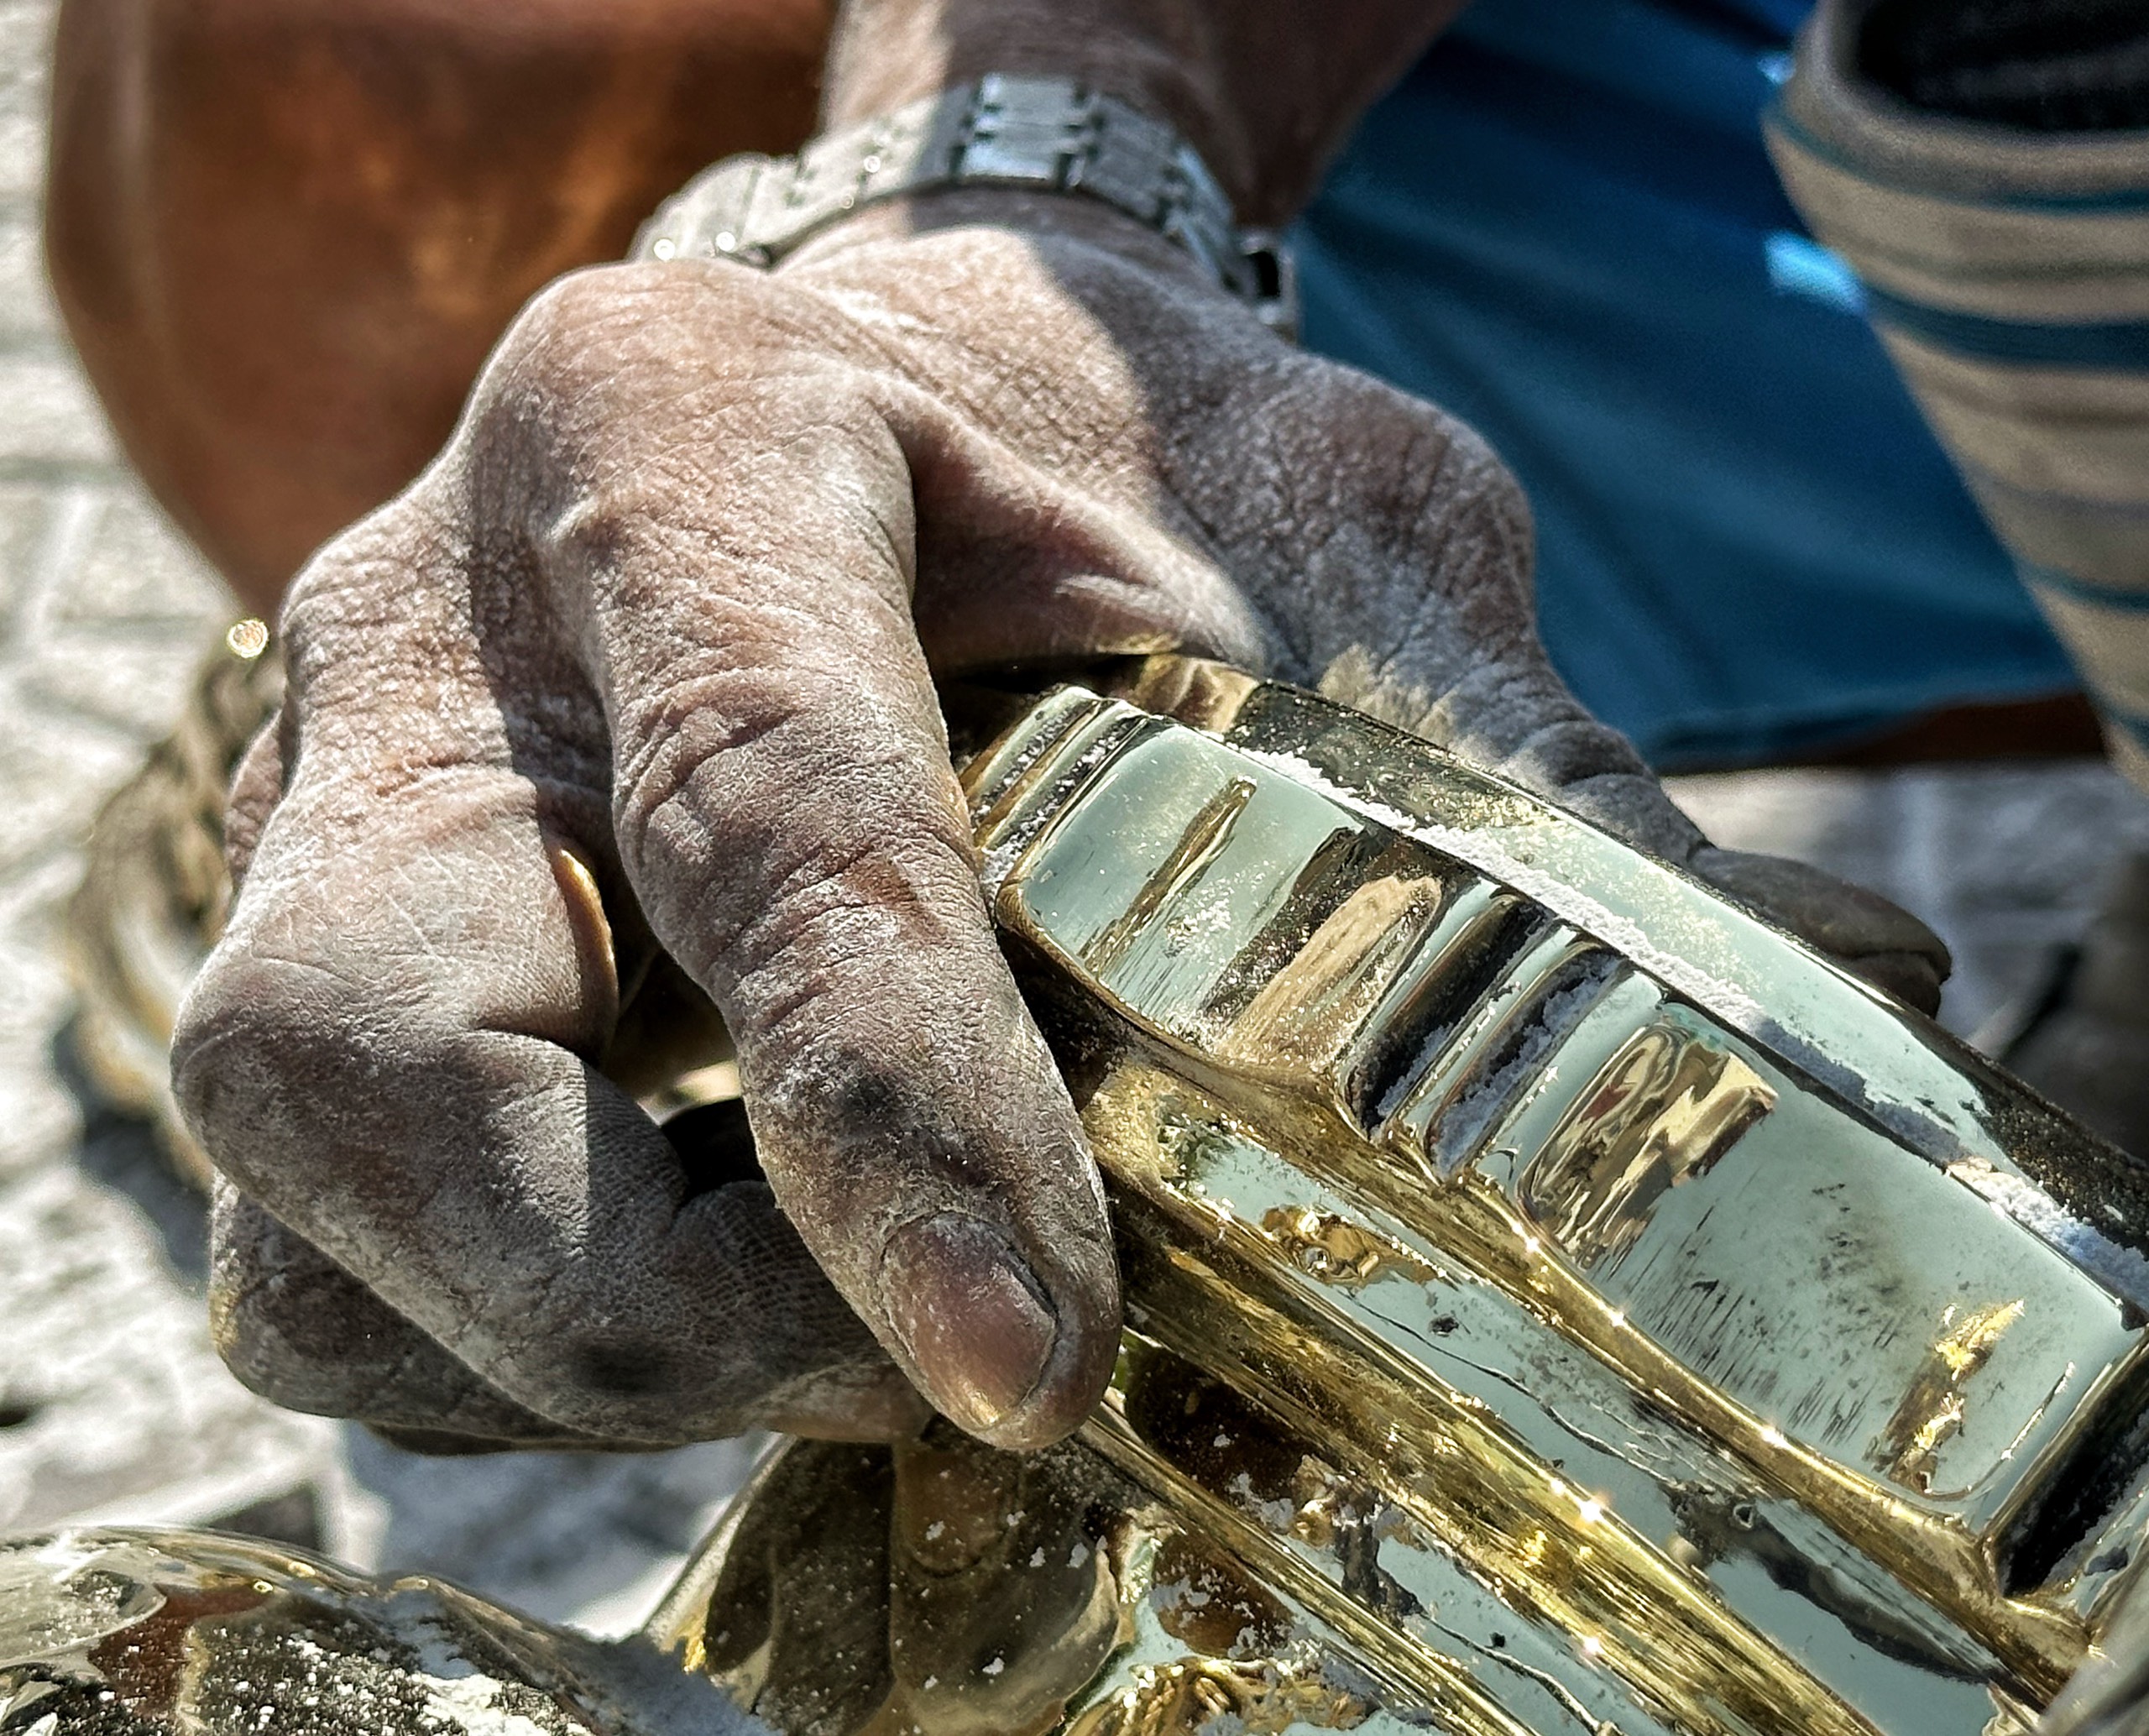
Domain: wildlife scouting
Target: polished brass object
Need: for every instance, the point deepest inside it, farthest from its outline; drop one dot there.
(1689, 1316)
(1558, 1302)
(1658, 1113)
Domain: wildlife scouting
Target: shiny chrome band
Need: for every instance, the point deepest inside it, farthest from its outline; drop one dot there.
(1046, 134)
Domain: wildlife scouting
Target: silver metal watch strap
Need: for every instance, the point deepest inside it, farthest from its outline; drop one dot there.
(1049, 135)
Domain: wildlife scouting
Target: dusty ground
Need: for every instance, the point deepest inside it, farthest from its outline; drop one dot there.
(112, 1404)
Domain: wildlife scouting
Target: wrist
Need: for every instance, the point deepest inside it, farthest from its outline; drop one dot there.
(1003, 132)
(1089, 222)
(1265, 95)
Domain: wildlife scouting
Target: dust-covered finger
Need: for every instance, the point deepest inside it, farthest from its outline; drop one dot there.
(393, 1049)
(790, 825)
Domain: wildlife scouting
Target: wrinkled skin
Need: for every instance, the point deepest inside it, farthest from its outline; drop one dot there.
(669, 610)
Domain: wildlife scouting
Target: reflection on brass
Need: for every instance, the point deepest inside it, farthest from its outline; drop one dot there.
(142, 1632)
(1657, 1114)
(1338, 1252)
(1504, 1038)
(1305, 1017)
(1198, 847)
(1240, 1659)
(1557, 1551)
(1261, 1699)
(1583, 1226)
(1532, 1261)
(1932, 1409)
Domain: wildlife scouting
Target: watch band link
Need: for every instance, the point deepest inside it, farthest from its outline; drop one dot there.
(1049, 135)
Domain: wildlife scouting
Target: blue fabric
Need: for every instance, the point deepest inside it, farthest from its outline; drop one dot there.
(1563, 227)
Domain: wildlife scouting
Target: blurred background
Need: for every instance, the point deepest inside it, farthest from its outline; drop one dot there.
(113, 1407)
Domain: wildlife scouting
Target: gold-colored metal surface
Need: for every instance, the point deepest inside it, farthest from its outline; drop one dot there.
(142, 1633)
(1657, 1114)
(1931, 1411)
(1559, 1303)
(1688, 1312)
(1577, 1306)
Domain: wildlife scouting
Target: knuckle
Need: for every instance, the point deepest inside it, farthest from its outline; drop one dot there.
(227, 1054)
(255, 1343)
(809, 819)
(609, 381)
(288, 1324)
(257, 787)
(258, 1358)
(601, 333)
(363, 594)
(715, 707)
(557, 325)
(317, 597)
(811, 942)
(269, 1054)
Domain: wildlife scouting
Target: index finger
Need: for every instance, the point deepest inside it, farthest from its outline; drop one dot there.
(791, 826)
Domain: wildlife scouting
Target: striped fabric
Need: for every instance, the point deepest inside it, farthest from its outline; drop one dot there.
(2008, 274)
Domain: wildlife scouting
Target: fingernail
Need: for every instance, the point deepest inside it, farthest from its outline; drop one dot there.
(975, 1322)
(586, 919)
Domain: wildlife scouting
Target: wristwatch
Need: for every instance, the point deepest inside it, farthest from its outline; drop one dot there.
(1046, 134)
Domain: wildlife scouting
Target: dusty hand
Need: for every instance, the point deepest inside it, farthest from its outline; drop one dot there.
(662, 625)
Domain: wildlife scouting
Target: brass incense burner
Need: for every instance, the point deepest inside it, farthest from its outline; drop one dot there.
(1559, 1303)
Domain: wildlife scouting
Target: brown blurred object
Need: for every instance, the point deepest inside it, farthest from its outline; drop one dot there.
(285, 233)
(2061, 726)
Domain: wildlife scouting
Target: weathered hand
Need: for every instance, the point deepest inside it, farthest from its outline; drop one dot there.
(662, 625)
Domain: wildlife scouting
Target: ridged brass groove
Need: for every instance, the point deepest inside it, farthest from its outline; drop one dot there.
(1444, 1687)
(1469, 1485)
